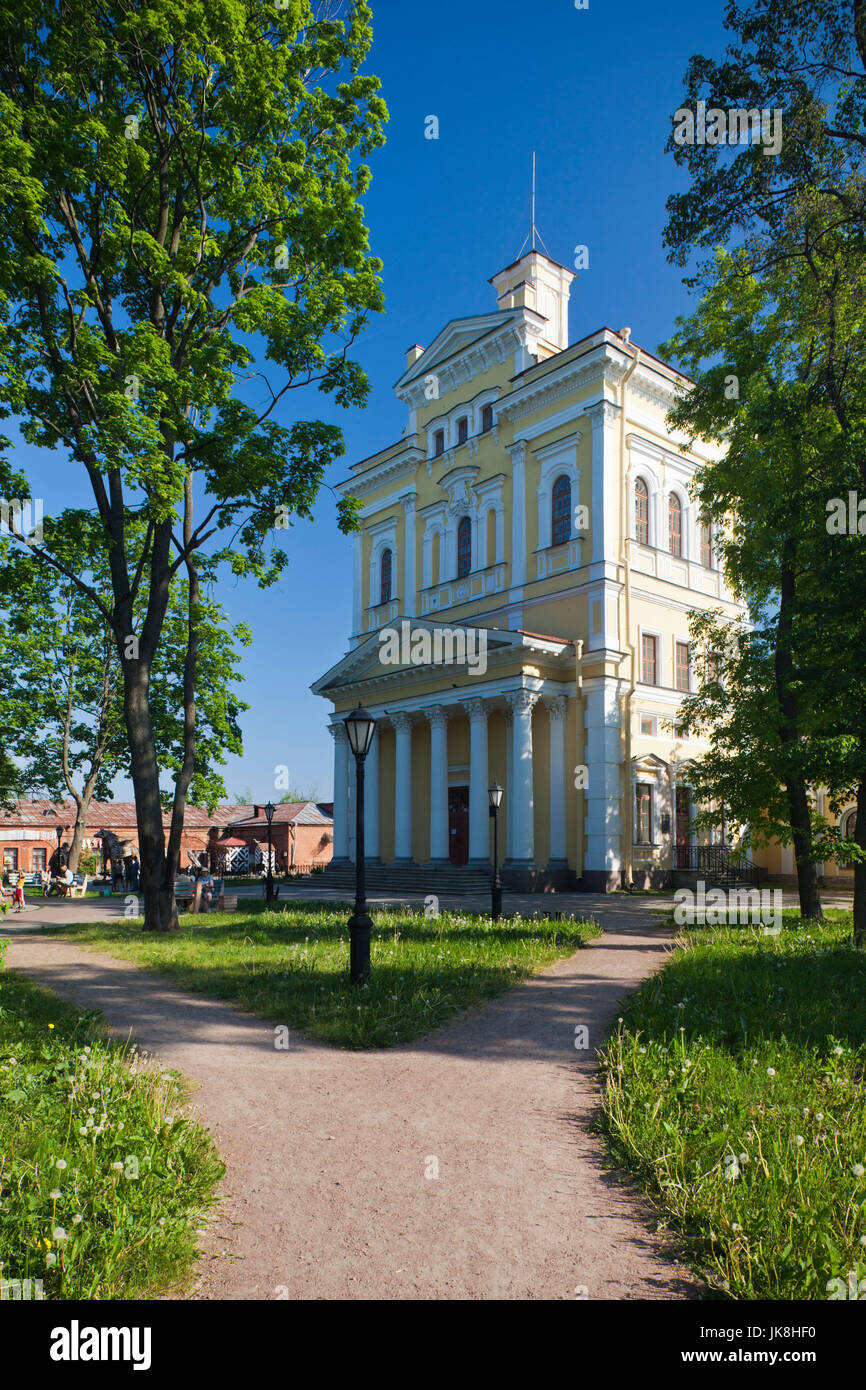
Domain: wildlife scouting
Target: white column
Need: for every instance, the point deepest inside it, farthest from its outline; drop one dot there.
(438, 785)
(409, 582)
(523, 845)
(556, 712)
(479, 802)
(357, 586)
(353, 769)
(604, 508)
(509, 783)
(603, 721)
(371, 800)
(403, 790)
(518, 520)
(341, 790)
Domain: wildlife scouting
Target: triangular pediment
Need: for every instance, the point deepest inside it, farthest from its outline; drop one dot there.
(364, 662)
(454, 338)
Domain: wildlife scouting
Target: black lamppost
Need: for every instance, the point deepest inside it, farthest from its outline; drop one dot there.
(360, 727)
(269, 890)
(494, 794)
(59, 833)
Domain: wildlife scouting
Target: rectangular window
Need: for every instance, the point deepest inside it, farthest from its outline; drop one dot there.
(680, 731)
(462, 429)
(438, 443)
(643, 813)
(648, 660)
(10, 859)
(714, 667)
(38, 857)
(682, 671)
(707, 547)
(648, 725)
(486, 418)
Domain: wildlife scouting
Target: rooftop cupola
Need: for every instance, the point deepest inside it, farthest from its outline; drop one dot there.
(538, 283)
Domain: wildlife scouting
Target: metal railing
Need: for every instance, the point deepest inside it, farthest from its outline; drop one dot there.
(718, 864)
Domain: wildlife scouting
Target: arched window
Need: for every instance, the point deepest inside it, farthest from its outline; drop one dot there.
(850, 825)
(464, 548)
(706, 545)
(641, 512)
(385, 577)
(675, 524)
(561, 511)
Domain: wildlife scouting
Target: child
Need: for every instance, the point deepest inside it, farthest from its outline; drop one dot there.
(19, 895)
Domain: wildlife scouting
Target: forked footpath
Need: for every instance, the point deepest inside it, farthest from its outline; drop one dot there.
(460, 1166)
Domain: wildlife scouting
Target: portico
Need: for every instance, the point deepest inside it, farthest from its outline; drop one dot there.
(436, 752)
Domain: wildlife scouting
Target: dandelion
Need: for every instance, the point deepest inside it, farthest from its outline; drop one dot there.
(799, 1140)
(60, 1163)
(51, 1025)
(837, 1051)
(858, 1170)
(51, 1259)
(819, 1115)
(744, 1158)
(82, 1129)
(771, 1071)
(77, 1218)
(736, 1226)
(59, 1233)
(687, 1063)
(805, 1109)
(118, 1166)
(863, 1240)
(161, 1221)
(55, 1193)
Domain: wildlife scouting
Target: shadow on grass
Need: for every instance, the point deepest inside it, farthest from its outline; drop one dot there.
(741, 999)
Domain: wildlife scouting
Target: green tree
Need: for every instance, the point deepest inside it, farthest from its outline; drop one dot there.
(61, 703)
(181, 183)
(791, 340)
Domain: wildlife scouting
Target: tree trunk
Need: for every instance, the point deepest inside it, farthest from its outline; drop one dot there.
(80, 830)
(860, 872)
(807, 868)
(160, 909)
(789, 736)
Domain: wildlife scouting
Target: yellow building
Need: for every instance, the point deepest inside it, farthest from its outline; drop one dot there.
(522, 583)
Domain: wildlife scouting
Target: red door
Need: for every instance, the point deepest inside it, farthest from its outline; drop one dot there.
(458, 825)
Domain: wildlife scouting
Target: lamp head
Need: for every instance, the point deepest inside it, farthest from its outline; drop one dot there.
(360, 727)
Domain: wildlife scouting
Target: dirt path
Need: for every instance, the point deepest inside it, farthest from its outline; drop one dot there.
(327, 1193)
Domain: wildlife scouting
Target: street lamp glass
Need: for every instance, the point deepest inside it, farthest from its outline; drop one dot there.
(360, 726)
(269, 812)
(495, 794)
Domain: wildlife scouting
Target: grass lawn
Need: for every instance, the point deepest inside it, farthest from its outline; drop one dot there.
(734, 1091)
(290, 964)
(102, 1181)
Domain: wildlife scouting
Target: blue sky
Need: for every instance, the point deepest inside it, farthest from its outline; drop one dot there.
(592, 92)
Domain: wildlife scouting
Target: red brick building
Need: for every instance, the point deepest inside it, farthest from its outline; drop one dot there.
(301, 834)
(301, 837)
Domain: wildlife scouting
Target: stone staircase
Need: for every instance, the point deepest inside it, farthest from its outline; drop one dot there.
(408, 878)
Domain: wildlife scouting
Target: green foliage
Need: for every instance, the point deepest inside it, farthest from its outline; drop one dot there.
(96, 1147)
(291, 964)
(182, 245)
(733, 1090)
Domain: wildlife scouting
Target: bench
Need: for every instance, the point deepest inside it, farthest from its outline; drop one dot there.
(183, 893)
(79, 886)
